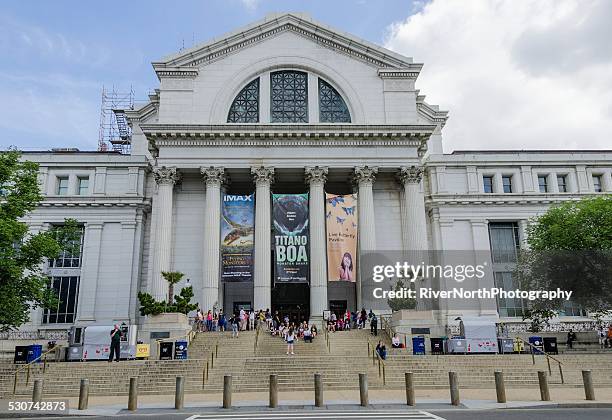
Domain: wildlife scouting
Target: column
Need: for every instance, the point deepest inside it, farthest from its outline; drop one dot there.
(92, 243)
(262, 299)
(416, 231)
(213, 178)
(125, 296)
(482, 246)
(165, 178)
(365, 177)
(316, 177)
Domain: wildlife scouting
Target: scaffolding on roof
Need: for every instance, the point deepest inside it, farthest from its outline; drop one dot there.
(115, 132)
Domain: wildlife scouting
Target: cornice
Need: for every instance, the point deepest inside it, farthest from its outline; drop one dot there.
(386, 73)
(438, 200)
(96, 202)
(180, 72)
(286, 135)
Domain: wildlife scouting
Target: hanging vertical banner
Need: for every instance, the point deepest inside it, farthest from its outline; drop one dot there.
(237, 233)
(291, 237)
(341, 221)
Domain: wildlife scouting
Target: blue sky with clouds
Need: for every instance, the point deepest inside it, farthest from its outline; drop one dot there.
(534, 74)
(56, 55)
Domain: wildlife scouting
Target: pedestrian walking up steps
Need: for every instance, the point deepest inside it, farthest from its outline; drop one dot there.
(339, 364)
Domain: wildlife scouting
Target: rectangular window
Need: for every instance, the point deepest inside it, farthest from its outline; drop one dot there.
(288, 97)
(67, 289)
(505, 242)
(83, 186)
(597, 183)
(62, 185)
(488, 184)
(71, 256)
(543, 183)
(508, 307)
(562, 183)
(507, 184)
(571, 309)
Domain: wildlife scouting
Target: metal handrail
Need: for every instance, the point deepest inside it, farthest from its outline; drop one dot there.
(28, 365)
(257, 336)
(548, 357)
(381, 363)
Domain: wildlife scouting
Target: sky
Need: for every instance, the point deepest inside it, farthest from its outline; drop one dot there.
(530, 74)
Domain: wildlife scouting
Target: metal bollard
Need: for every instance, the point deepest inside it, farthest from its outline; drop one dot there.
(273, 391)
(544, 392)
(363, 389)
(410, 398)
(500, 386)
(454, 387)
(318, 383)
(179, 394)
(589, 390)
(84, 394)
(133, 395)
(37, 391)
(227, 391)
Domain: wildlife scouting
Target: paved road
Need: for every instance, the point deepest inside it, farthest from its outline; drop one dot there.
(377, 414)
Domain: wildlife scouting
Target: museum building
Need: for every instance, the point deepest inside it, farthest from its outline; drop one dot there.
(277, 123)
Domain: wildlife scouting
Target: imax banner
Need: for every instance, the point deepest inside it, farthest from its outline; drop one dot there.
(237, 233)
(341, 221)
(291, 236)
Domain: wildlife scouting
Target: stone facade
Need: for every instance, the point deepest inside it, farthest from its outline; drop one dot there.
(159, 208)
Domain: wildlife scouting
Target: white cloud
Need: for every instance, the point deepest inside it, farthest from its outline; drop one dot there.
(250, 4)
(530, 74)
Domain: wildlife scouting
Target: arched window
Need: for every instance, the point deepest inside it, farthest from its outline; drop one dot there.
(332, 108)
(245, 108)
(288, 97)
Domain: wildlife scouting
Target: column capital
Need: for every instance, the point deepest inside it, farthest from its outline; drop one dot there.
(262, 175)
(410, 175)
(316, 174)
(213, 176)
(365, 174)
(166, 175)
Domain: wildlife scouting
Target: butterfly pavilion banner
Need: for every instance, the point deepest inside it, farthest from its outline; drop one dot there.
(237, 237)
(341, 220)
(291, 238)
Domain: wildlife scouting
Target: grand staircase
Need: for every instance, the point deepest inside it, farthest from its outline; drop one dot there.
(338, 357)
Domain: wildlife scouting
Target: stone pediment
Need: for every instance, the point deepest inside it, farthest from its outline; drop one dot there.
(186, 62)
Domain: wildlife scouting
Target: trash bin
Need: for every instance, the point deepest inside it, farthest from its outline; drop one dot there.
(506, 345)
(537, 345)
(519, 346)
(550, 345)
(21, 354)
(418, 345)
(180, 349)
(165, 350)
(437, 345)
(34, 352)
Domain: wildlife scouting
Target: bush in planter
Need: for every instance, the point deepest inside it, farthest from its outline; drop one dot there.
(150, 306)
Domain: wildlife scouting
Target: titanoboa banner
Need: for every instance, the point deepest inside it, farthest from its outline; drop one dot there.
(291, 237)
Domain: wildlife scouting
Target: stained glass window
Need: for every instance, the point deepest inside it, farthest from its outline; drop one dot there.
(288, 97)
(245, 108)
(332, 108)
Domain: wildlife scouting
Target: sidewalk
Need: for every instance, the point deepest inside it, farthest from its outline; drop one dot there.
(426, 399)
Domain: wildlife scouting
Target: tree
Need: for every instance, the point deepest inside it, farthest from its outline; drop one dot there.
(569, 248)
(397, 304)
(23, 285)
(172, 277)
